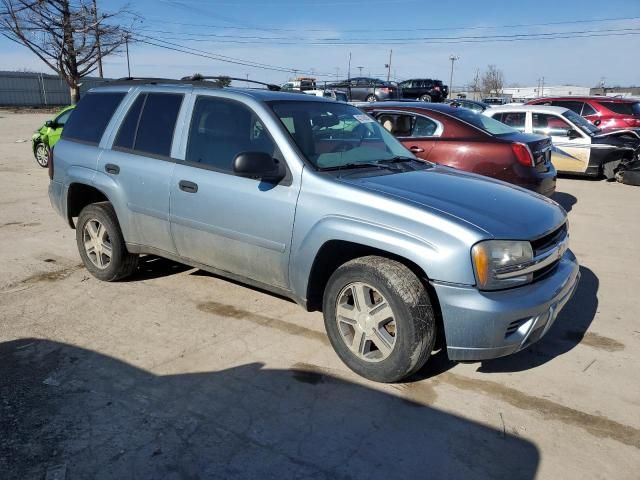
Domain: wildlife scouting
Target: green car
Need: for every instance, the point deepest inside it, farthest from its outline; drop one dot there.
(47, 136)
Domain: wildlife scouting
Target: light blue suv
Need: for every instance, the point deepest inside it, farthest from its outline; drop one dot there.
(314, 200)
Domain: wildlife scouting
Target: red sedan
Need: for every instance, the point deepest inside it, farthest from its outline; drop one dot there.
(606, 113)
(466, 140)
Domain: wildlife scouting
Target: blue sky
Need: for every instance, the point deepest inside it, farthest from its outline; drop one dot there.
(317, 36)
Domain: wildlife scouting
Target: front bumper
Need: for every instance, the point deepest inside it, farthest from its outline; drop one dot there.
(481, 325)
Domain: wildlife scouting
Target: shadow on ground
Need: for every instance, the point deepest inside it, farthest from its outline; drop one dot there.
(568, 330)
(101, 418)
(566, 200)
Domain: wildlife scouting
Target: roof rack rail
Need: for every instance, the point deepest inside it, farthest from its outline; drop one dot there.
(197, 77)
(156, 80)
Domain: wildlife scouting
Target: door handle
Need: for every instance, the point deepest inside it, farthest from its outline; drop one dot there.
(187, 186)
(415, 149)
(112, 168)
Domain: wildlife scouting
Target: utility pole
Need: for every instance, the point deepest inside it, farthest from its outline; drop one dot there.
(453, 58)
(542, 95)
(97, 28)
(360, 68)
(388, 65)
(337, 73)
(349, 68)
(126, 43)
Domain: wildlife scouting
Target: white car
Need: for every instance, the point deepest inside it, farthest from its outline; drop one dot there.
(579, 146)
(337, 95)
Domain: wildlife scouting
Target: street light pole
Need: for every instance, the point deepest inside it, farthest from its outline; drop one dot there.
(453, 58)
(126, 43)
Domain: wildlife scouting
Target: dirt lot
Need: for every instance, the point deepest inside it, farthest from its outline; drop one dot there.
(180, 374)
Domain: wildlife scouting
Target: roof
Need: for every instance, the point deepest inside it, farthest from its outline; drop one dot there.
(526, 108)
(600, 98)
(436, 107)
(261, 94)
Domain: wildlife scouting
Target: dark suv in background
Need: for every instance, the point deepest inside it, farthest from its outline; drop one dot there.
(424, 89)
(367, 89)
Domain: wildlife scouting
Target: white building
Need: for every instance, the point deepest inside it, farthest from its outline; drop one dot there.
(546, 91)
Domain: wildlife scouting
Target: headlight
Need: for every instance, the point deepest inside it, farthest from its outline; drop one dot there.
(497, 262)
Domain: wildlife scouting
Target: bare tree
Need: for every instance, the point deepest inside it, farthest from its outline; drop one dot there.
(69, 37)
(492, 80)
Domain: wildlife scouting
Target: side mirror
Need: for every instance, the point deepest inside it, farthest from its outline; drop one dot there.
(257, 165)
(597, 122)
(571, 133)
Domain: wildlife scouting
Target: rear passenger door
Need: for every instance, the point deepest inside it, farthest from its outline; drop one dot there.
(234, 224)
(140, 163)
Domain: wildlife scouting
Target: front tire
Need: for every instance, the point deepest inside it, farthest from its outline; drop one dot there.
(372, 98)
(379, 318)
(101, 244)
(425, 98)
(41, 153)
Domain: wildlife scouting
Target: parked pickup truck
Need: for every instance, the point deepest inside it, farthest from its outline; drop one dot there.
(314, 200)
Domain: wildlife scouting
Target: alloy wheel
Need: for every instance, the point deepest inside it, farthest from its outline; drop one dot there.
(97, 243)
(366, 322)
(42, 155)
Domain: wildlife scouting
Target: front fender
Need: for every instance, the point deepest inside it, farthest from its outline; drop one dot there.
(433, 260)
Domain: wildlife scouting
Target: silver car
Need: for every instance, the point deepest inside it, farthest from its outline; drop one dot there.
(314, 200)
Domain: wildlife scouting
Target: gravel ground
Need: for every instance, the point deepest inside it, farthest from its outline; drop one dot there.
(180, 374)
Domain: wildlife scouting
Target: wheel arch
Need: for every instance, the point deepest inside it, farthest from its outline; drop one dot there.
(79, 195)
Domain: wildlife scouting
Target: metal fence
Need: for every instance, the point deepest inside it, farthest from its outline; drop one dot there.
(38, 89)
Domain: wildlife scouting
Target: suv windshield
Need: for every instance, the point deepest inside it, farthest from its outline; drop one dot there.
(488, 124)
(581, 123)
(333, 135)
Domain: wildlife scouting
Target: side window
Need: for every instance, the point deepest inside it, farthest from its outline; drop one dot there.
(149, 124)
(424, 127)
(402, 125)
(587, 110)
(91, 117)
(157, 123)
(546, 124)
(571, 105)
(221, 129)
(127, 132)
(62, 119)
(514, 119)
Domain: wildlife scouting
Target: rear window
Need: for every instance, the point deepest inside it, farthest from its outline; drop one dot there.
(488, 124)
(91, 117)
(622, 108)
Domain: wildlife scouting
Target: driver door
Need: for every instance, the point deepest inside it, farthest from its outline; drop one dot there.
(570, 154)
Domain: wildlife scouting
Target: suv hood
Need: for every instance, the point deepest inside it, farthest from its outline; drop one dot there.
(499, 209)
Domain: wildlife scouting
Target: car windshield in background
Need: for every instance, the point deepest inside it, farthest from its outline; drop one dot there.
(581, 122)
(625, 108)
(483, 122)
(336, 135)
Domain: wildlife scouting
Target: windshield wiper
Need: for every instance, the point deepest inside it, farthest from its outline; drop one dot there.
(398, 159)
(384, 166)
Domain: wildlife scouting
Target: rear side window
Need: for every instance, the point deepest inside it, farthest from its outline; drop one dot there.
(571, 105)
(149, 124)
(513, 119)
(622, 108)
(91, 117)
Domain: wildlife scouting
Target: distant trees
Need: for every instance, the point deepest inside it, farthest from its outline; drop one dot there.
(492, 81)
(71, 38)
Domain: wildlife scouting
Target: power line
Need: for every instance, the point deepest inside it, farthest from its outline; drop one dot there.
(164, 21)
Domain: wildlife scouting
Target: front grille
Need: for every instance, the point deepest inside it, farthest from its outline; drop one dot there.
(543, 272)
(550, 240)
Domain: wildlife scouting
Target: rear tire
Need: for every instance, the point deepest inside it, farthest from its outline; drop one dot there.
(425, 98)
(372, 98)
(390, 332)
(101, 244)
(41, 153)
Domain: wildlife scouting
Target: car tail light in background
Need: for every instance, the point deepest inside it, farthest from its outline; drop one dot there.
(436, 88)
(385, 90)
(50, 163)
(632, 122)
(523, 154)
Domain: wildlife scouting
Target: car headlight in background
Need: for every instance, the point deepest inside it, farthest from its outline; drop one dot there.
(497, 263)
